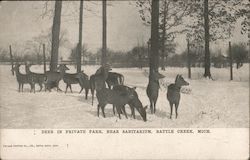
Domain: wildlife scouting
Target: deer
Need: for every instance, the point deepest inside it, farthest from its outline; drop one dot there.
(118, 99)
(135, 103)
(173, 93)
(114, 79)
(37, 77)
(97, 80)
(53, 78)
(78, 78)
(153, 89)
(74, 78)
(23, 79)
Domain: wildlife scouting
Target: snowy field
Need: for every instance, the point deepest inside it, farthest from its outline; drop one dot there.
(218, 103)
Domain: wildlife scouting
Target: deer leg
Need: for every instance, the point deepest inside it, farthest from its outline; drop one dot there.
(19, 87)
(155, 105)
(81, 90)
(114, 109)
(176, 109)
(66, 88)
(151, 106)
(119, 111)
(103, 113)
(124, 111)
(31, 87)
(34, 87)
(92, 92)
(109, 85)
(22, 87)
(86, 93)
(98, 109)
(57, 86)
(70, 88)
(171, 108)
(132, 111)
(41, 87)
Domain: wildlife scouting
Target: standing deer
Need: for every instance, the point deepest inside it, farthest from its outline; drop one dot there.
(97, 80)
(38, 78)
(134, 103)
(114, 79)
(153, 89)
(76, 78)
(53, 78)
(73, 78)
(23, 79)
(173, 93)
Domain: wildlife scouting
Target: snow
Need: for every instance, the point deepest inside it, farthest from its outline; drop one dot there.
(218, 103)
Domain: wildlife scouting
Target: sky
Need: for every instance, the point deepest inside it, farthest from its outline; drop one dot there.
(21, 21)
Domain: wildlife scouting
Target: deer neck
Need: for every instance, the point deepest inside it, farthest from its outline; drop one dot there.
(178, 87)
(62, 72)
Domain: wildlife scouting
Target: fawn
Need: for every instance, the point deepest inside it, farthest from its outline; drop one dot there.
(23, 79)
(153, 89)
(173, 93)
(134, 103)
(37, 77)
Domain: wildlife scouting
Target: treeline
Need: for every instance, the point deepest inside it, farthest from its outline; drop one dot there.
(138, 57)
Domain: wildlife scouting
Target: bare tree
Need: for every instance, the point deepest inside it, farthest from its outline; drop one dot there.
(104, 32)
(80, 38)
(55, 35)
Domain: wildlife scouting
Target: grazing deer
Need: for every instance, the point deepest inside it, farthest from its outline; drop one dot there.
(173, 93)
(114, 79)
(37, 77)
(134, 103)
(118, 99)
(53, 78)
(97, 80)
(23, 79)
(153, 89)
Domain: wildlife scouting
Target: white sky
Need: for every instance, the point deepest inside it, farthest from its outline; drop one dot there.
(19, 21)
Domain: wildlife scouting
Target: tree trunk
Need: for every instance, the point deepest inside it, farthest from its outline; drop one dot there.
(207, 37)
(104, 32)
(79, 53)
(55, 35)
(164, 34)
(154, 54)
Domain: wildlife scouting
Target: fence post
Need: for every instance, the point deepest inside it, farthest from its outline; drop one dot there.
(11, 60)
(231, 61)
(188, 59)
(44, 59)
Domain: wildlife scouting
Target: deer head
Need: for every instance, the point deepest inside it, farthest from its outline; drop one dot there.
(62, 68)
(179, 81)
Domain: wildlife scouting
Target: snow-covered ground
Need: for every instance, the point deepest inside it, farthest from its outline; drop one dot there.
(218, 103)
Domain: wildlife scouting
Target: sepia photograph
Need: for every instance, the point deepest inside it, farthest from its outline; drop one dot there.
(141, 67)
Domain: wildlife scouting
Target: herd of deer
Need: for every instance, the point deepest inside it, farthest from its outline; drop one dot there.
(116, 94)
